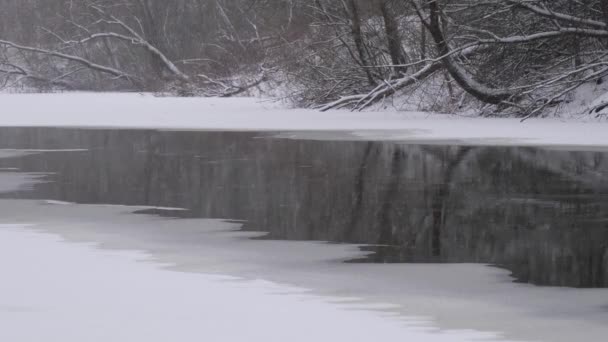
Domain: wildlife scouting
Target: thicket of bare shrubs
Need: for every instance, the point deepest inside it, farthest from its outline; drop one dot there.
(501, 57)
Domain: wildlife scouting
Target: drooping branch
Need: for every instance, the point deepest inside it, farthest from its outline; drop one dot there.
(384, 90)
(559, 16)
(460, 75)
(21, 74)
(229, 88)
(136, 38)
(520, 39)
(388, 88)
(82, 61)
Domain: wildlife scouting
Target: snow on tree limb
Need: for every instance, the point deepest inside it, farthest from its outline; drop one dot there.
(137, 38)
(85, 62)
(556, 15)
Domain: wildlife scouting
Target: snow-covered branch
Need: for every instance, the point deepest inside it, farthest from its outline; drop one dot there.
(136, 38)
(80, 60)
(384, 90)
(519, 39)
(544, 12)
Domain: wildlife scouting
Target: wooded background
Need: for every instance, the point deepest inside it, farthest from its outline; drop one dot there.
(503, 57)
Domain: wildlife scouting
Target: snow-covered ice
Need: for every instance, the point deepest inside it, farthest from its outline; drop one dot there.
(17, 181)
(247, 114)
(15, 153)
(11, 180)
(456, 302)
(52, 290)
(5, 153)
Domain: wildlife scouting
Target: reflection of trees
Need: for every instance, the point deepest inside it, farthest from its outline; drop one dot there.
(358, 192)
(540, 213)
(386, 226)
(442, 194)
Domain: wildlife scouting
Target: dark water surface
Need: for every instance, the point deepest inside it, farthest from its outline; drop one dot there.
(540, 213)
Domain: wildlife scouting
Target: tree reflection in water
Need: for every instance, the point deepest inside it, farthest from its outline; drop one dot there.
(540, 213)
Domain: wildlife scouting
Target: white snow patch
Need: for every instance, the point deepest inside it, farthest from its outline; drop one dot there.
(54, 202)
(11, 180)
(141, 207)
(52, 290)
(88, 110)
(15, 181)
(129, 208)
(27, 151)
(583, 100)
(450, 297)
(13, 153)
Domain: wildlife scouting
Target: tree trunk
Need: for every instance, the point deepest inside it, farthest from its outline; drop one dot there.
(358, 38)
(604, 5)
(458, 73)
(423, 42)
(393, 37)
(442, 196)
(152, 35)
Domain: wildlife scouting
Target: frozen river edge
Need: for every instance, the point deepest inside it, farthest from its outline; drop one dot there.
(57, 290)
(145, 111)
(83, 271)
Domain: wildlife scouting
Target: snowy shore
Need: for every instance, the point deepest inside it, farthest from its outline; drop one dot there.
(87, 110)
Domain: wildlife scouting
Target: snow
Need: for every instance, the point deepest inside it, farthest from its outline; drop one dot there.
(14, 153)
(21, 152)
(87, 110)
(5, 153)
(54, 202)
(139, 207)
(11, 180)
(583, 99)
(453, 301)
(17, 181)
(52, 290)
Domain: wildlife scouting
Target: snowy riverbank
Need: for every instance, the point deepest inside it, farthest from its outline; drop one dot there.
(89, 110)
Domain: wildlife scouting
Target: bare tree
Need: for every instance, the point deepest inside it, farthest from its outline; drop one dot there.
(509, 57)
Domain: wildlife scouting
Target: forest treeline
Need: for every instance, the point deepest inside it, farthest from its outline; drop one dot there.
(505, 57)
